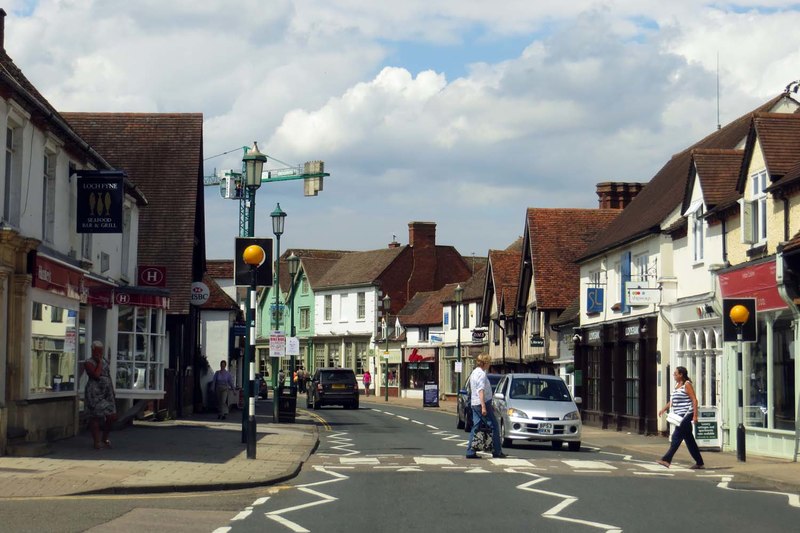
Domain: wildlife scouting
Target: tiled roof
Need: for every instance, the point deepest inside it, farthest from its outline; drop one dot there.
(162, 153)
(218, 300)
(570, 315)
(220, 268)
(665, 191)
(473, 288)
(718, 171)
(779, 135)
(358, 268)
(557, 238)
(504, 267)
(424, 309)
(314, 261)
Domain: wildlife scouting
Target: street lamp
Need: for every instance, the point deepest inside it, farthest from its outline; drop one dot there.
(294, 265)
(278, 219)
(739, 316)
(254, 165)
(254, 256)
(387, 302)
(459, 297)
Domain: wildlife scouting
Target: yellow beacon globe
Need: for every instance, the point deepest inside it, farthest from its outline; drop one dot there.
(739, 314)
(253, 255)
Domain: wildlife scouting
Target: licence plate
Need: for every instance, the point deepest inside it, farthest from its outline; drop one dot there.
(546, 429)
(337, 386)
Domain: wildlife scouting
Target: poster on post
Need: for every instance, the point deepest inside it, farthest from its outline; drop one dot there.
(430, 396)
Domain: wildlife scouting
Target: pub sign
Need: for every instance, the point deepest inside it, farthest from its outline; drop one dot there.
(100, 199)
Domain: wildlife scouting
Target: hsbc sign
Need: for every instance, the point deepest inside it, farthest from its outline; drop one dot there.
(153, 276)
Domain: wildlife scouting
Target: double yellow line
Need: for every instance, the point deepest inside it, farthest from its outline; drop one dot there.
(315, 416)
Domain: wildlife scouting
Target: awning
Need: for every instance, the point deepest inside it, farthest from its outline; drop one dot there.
(753, 281)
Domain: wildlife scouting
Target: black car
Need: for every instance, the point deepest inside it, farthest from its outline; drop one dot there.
(465, 409)
(333, 386)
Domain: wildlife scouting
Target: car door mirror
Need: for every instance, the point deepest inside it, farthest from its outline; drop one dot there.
(499, 396)
(578, 400)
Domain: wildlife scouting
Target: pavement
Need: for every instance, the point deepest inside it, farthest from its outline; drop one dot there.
(202, 453)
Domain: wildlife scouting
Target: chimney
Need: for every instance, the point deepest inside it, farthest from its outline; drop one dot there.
(394, 243)
(2, 30)
(617, 194)
(422, 234)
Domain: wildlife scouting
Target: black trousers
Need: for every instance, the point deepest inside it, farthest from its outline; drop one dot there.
(682, 433)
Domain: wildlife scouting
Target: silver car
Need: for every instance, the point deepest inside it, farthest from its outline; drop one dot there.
(537, 407)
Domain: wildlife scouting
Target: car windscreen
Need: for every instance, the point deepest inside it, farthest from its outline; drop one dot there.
(539, 389)
(338, 377)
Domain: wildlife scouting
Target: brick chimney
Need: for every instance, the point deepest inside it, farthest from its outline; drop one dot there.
(2, 30)
(394, 243)
(422, 234)
(617, 194)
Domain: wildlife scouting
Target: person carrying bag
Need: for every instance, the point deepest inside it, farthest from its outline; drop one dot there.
(683, 411)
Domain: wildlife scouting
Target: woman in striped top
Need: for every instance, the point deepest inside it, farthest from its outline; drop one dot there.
(683, 403)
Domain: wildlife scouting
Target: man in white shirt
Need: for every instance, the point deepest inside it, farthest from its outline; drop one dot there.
(481, 403)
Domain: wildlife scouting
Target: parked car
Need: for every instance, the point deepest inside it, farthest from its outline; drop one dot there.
(537, 407)
(333, 386)
(464, 409)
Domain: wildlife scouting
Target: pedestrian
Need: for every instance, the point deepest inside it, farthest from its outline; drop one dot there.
(281, 377)
(367, 382)
(99, 397)
(684, 404)
(481, 403)
(223, 382)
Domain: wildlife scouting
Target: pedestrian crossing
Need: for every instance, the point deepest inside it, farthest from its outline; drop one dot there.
(487, 463)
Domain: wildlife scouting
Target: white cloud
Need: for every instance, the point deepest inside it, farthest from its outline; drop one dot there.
(604, 90)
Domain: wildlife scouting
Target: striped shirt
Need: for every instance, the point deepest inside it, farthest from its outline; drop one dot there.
(681, 403)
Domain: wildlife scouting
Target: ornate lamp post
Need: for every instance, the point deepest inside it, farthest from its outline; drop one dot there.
(387, 302)
(739, 316)
(459, 297)
(278, 219)
(254, 256)
(254, 165)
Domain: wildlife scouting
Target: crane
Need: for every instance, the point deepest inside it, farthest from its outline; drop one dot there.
(232, 187)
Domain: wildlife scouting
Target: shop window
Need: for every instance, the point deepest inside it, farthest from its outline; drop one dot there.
(319, 356)
(141, 349)
(632, 379)
(593, 379)
(54, 350)
(361, 357)
(783, 382)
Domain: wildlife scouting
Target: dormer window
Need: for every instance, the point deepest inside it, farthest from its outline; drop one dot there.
(754, 211)
(697, 234)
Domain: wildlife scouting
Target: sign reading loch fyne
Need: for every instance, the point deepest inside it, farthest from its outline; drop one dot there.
(100, 198)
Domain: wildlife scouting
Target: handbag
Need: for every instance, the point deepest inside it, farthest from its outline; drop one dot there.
(482, 442)
(674, 419)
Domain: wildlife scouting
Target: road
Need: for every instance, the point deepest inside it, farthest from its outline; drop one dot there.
(401, 469)
(395, 469)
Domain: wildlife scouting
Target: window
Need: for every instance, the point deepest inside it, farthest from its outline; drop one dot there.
(362, 306)
(141, 349)
(423, 334)
(632, 379)
(328, 307)
(594, 279)
(11, 178)
(361, 357)
(48, 197)
(760, 410)
(641, 263)
(760, 206)
(304, 318)
(304, 285)
(697, 234)
(453, 313)
(465, 316)
(533, 317)
(593, 379)
(54, 351)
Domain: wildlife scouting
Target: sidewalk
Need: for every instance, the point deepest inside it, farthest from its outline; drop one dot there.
(780, 474)
(198, 453)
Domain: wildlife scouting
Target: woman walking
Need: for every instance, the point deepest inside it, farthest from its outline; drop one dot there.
(684, 404)
(99, 396)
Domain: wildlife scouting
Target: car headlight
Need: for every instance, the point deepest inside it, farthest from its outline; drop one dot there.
(516, 412)
(572, 416)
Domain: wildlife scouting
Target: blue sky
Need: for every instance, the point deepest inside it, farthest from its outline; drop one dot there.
(451, 111)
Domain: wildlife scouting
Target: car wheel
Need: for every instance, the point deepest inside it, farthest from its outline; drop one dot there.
(574, 446)
(556, 444)
(506, 441)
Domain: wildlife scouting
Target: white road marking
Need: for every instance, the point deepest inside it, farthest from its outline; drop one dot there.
(359, 461)
(260, 501)
(243, 514)
(324, 498)
(432, 427)
(663, 474)
(432, 461)
(595, 465)
(794, 499)
(288, 523)
(418, 422)
(409, 469)
(222, 530)
(655, 467)
(402, 417)
(510, 462)
(477, 470)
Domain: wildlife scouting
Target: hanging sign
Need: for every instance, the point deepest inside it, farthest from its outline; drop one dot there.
(642, 295)
(100, 199)
(200, 293)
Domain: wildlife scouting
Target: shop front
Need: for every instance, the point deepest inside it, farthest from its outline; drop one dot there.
(420, 366)
(616, 375)
(770, 369)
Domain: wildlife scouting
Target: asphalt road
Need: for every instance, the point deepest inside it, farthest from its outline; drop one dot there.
(397, 469)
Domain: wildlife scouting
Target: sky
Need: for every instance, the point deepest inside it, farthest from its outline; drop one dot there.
(460, 112)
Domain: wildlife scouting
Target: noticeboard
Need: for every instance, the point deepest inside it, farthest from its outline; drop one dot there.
(430, 397)
(706, 430)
